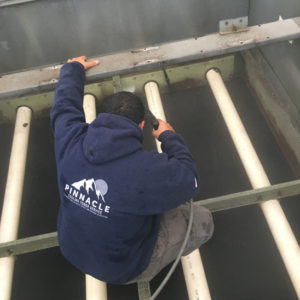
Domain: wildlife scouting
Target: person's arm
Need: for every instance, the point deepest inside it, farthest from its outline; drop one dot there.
(67, 116)
(171, 177)
(174, 146)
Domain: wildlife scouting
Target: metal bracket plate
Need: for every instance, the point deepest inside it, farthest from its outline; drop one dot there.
(233, 25)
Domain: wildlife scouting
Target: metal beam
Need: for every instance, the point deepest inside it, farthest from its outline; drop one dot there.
(43, 79)
(30, 244)
(179, 77)
(144, 290)
(281, 190)
(250, 197)
(5, 3)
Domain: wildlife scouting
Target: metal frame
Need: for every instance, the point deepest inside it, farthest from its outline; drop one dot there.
(249, 197)
(144, 290)
(42, 79)
(255, 196)
(4, 3)
(175, 77)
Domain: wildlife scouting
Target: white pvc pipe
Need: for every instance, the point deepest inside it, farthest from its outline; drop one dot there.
(89, 107)
(155, 105)
(13, 196)
(193, 270)
(275, 217)
(94, 288)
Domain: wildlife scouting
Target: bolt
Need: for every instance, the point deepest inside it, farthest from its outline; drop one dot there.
(10, 252)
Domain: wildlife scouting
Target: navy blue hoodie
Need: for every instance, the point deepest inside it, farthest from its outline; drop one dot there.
(112, 191)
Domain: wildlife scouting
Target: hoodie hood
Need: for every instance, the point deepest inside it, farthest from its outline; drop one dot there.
(110, 137)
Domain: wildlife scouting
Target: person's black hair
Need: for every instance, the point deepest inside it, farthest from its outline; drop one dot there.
(125, 104)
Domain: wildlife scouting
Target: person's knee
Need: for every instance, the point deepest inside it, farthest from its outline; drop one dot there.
(208, 223)
(204, 223)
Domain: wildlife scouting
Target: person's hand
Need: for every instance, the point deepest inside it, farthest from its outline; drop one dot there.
(162, 126)
(86, 64)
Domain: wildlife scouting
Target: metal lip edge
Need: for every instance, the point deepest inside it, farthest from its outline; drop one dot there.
(167, 54)
(14, 2)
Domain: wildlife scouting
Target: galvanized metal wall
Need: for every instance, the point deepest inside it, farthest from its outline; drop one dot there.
(284, 58)
(264, 11)
(49, 31)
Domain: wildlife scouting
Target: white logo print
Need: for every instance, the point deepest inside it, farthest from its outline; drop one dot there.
(89, 194)
(99, 186)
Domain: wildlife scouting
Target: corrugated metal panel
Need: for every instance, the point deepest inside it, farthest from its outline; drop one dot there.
(49, 31)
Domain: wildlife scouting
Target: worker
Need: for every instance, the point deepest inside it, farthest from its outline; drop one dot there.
(124, 213)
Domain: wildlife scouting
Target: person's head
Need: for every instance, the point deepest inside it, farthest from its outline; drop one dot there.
(125, 104)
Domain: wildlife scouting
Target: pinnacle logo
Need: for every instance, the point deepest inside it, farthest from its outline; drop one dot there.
(99, 187)
(89, 194)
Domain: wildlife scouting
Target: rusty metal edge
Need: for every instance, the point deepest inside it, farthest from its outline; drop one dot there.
(44, 79)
